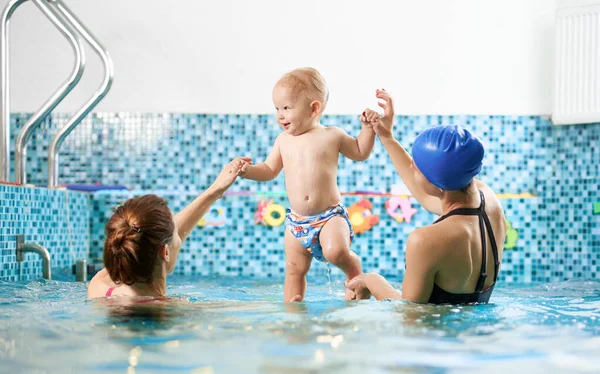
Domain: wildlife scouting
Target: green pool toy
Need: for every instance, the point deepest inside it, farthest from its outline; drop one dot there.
(512, 236)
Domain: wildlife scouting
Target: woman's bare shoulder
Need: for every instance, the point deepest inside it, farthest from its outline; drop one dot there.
(432, 237)
(488, 192)
(441, 239)
(99, 284)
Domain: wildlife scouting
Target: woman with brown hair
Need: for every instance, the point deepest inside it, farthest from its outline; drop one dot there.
(143, 239)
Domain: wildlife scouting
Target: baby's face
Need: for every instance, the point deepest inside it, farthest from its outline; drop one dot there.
(293, 110)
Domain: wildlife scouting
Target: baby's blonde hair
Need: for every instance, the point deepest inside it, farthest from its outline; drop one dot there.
(308, 81)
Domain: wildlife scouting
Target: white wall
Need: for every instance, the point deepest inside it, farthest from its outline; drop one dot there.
(223, 56)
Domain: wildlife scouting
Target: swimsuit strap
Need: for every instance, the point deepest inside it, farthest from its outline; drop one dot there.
(110, 291)
(490, 231)
(465, 211)
(488, 224)
(482, 272)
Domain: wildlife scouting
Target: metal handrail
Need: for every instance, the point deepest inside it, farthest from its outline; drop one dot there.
(90, 104)
(4, 100)
(56, 98)
(23, 248)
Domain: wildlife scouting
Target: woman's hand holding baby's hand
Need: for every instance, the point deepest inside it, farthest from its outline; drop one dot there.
(356, 288)
(241, 164)
(368, 117)
(230, 172)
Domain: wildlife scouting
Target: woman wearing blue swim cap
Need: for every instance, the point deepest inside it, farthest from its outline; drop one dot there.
(456, 259)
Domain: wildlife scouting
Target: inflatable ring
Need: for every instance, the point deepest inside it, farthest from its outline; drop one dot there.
(269, 217)
(215, 217)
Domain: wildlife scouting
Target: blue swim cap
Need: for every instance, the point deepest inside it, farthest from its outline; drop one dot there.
(448, 156)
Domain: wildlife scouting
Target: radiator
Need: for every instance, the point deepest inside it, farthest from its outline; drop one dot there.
(577, 63)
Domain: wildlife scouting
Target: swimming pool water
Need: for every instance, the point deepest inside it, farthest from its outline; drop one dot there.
(233, 325)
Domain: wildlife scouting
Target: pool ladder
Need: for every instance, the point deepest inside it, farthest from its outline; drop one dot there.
(72, 29)
(22, 248)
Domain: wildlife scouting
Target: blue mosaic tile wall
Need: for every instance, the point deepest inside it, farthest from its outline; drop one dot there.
(177, 156)
(57, 220)
(243, 248)
(185, 152)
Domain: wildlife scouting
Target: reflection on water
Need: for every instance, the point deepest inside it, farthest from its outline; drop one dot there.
(225, 325)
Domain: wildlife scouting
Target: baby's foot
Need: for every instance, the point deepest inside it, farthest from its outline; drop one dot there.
(350, 295)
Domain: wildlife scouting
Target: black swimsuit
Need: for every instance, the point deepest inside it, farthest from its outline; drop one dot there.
(440, 296)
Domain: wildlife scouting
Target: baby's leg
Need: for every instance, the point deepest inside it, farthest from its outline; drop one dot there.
(335, 241)
(297, 264)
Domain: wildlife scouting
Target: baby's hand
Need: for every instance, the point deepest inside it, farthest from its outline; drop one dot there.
(350, 295)
(241, 165)
(368, 117)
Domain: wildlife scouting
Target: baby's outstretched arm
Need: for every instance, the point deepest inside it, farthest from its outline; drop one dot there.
(359, 148)
(265, 171)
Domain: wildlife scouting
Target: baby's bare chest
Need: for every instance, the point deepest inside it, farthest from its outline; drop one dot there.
(301, 150)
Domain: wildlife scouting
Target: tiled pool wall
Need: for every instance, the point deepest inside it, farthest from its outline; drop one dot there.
(177, 156)
(57, 220)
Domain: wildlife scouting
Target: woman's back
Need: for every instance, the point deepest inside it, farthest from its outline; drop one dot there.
(460, 245)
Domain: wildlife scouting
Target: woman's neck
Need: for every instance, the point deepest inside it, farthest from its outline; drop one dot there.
(460, 199)
(155, 288)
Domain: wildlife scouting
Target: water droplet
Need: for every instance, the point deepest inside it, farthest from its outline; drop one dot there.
(319, 355)
(328, 271)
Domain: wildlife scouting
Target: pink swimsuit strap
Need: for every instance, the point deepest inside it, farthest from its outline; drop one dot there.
(110, 291)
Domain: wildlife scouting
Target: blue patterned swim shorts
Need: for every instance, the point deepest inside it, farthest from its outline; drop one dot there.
(307, 228)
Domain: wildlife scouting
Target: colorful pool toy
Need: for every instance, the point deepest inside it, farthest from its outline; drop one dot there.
(361, 217)
(406, 210)
(512, 236)
(269, 214)
(215, 217)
